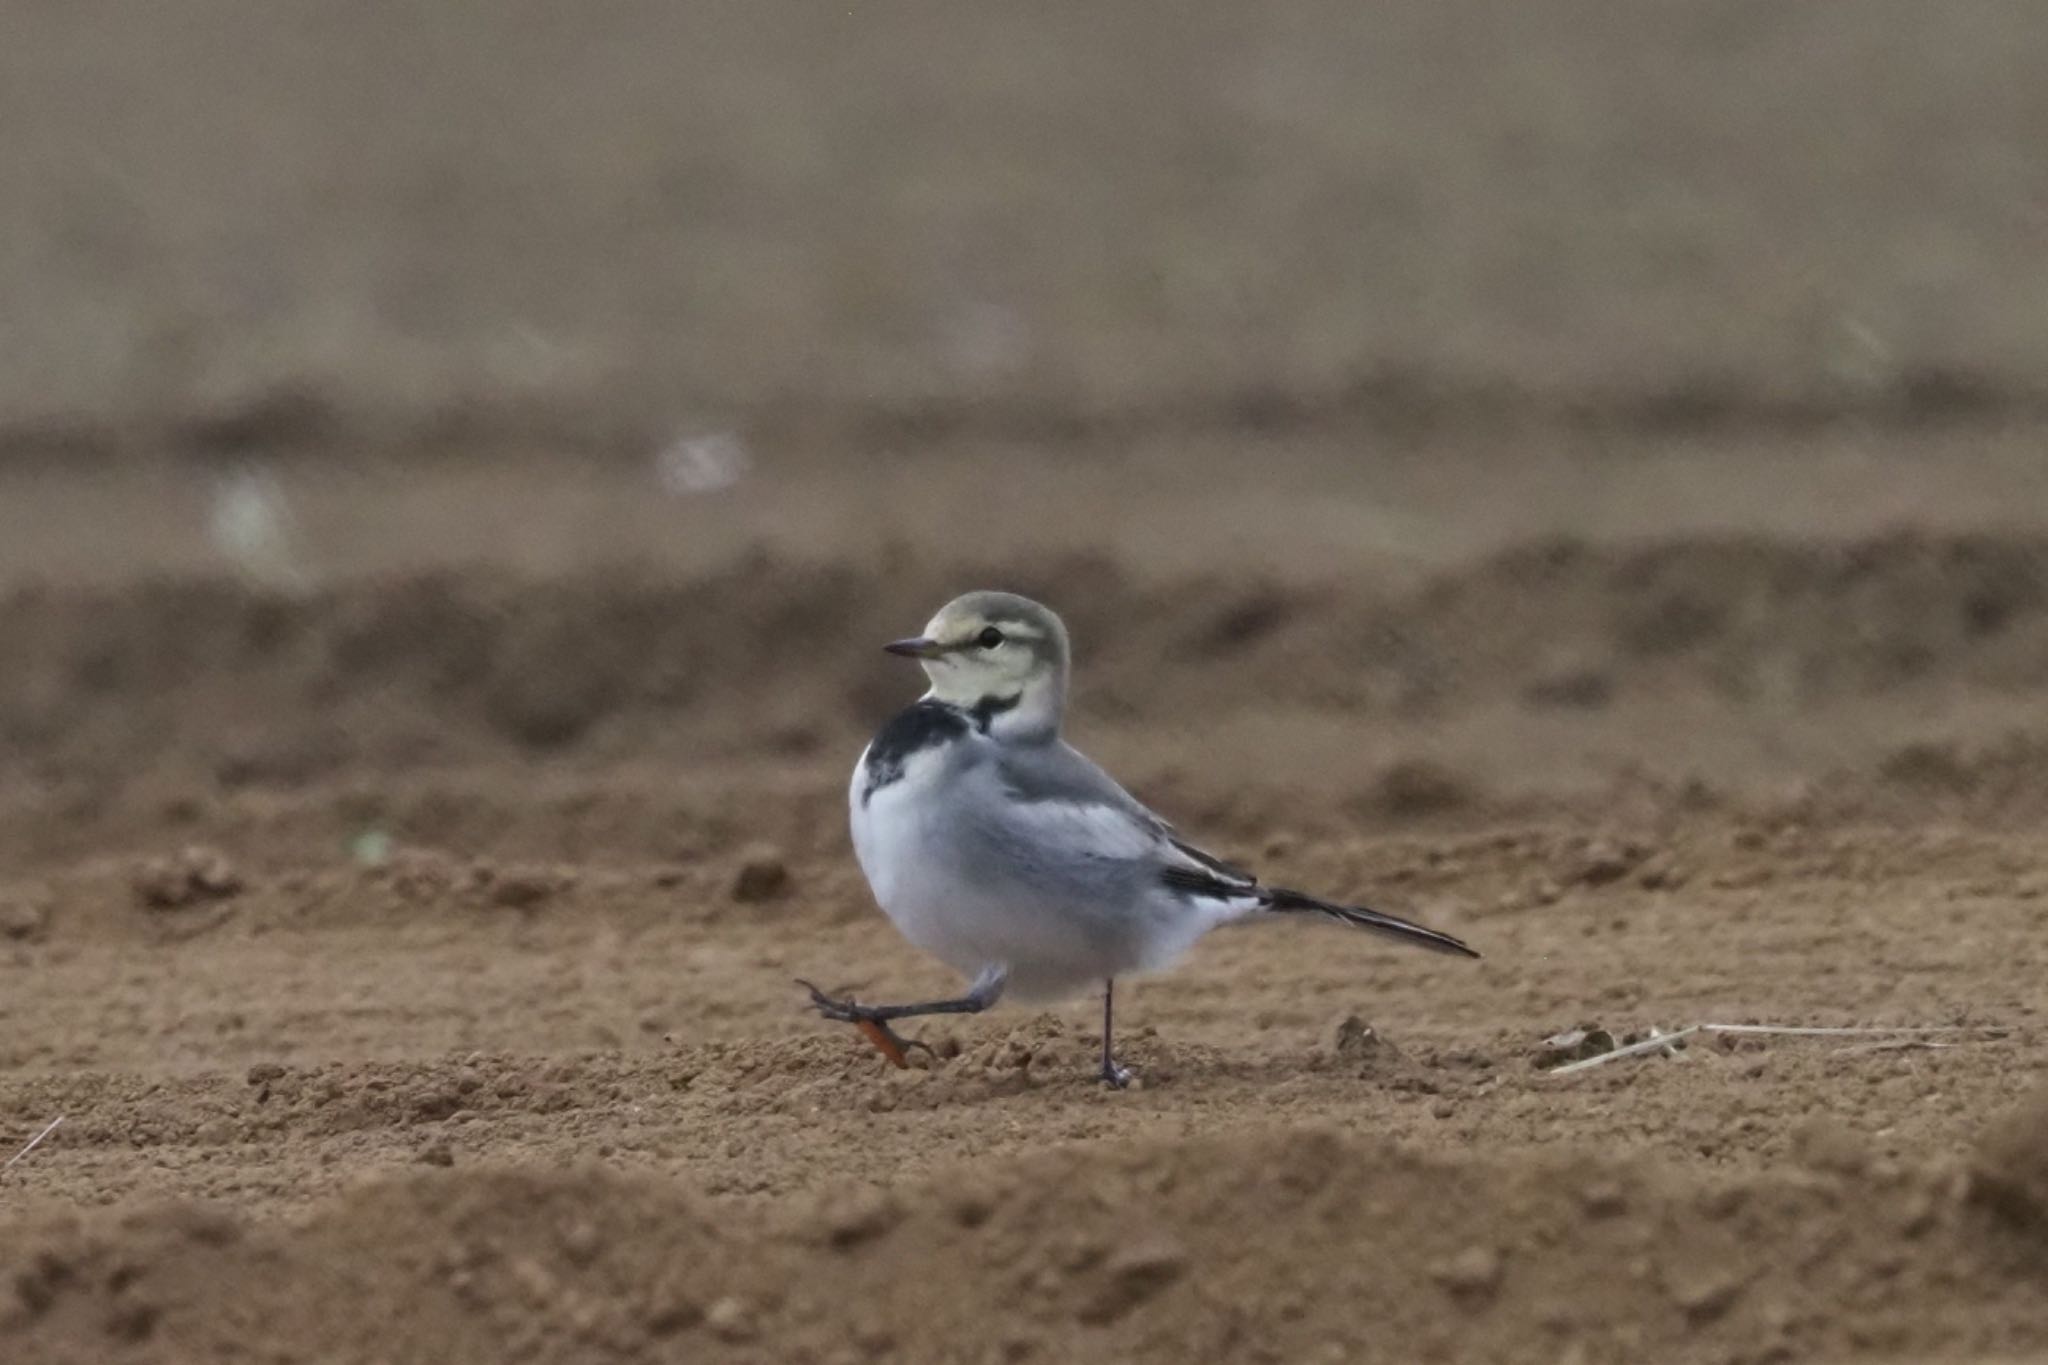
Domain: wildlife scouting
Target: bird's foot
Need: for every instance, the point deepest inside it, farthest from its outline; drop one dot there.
(886, 1040)
(1114, 1076)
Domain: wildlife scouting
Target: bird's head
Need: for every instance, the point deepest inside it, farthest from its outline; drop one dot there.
(998, 654)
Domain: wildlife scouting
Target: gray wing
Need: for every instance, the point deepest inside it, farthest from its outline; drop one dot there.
(1059, 772)
(1059, 775)
(1068, 802)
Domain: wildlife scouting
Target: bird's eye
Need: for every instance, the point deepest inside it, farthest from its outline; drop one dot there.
(989, 638)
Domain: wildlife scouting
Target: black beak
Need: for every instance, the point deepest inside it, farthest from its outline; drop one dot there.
(917, 647)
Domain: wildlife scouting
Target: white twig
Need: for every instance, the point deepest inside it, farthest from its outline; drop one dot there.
(1662, 1042)
(1991, 1030)
(33, 1142)
(1897, 1045)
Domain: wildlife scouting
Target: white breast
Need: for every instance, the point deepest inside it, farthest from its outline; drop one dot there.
(891, 838)
(1058, 901)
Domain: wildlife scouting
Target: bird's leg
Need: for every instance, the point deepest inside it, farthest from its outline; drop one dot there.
(873, 1020)
(887, 1041)
(1114, 1076)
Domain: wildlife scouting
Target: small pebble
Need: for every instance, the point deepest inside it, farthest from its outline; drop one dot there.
(22, 919)
(1473, 1273)
(1827, 1145)
(1604, 1199)
(522, 888)
(1706, 1297)
(730, 1319)
(763, 875)
(1131, 1276)
(195, 874)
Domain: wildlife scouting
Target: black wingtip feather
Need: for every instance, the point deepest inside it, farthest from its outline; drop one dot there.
(1393, 926)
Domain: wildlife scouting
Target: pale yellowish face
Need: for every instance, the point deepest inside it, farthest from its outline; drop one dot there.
(991, 646)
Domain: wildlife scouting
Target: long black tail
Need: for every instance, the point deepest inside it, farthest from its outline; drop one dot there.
(1393, 926)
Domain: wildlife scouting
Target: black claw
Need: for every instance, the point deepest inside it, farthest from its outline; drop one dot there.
(845, 1011)
(1114, 1076)
(850, 1011)
(908, 1043)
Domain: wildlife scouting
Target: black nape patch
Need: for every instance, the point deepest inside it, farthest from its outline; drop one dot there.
(918, 727)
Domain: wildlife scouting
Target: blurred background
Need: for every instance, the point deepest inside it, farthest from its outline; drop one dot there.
(1581, 388)
(1547, 395)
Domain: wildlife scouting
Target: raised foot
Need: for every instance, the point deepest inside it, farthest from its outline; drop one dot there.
(886, 1040)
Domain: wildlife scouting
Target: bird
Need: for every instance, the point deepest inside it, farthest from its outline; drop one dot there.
(998, 848)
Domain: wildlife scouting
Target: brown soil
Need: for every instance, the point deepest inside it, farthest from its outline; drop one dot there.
(242, 229)
(1574, 478)
(1185, 1250)
(435, 931)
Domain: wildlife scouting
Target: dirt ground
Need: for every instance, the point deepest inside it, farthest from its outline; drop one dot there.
(441, 576)
(410, 958)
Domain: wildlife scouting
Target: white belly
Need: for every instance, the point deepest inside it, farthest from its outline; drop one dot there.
(967, 919)
(893, 839)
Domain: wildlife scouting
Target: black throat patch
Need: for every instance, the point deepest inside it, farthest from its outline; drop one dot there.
(988, 708)
(910, 731)
(922, 726)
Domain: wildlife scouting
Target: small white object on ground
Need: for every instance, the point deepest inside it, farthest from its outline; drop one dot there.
(250, 521)
(1667, 1042)
(33, 1142)
(702, 463)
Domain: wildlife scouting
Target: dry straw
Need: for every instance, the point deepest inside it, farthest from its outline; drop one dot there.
(1667, 1043)
(33, 1142)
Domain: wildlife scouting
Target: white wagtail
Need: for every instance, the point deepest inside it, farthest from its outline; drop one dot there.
(1001, 850)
